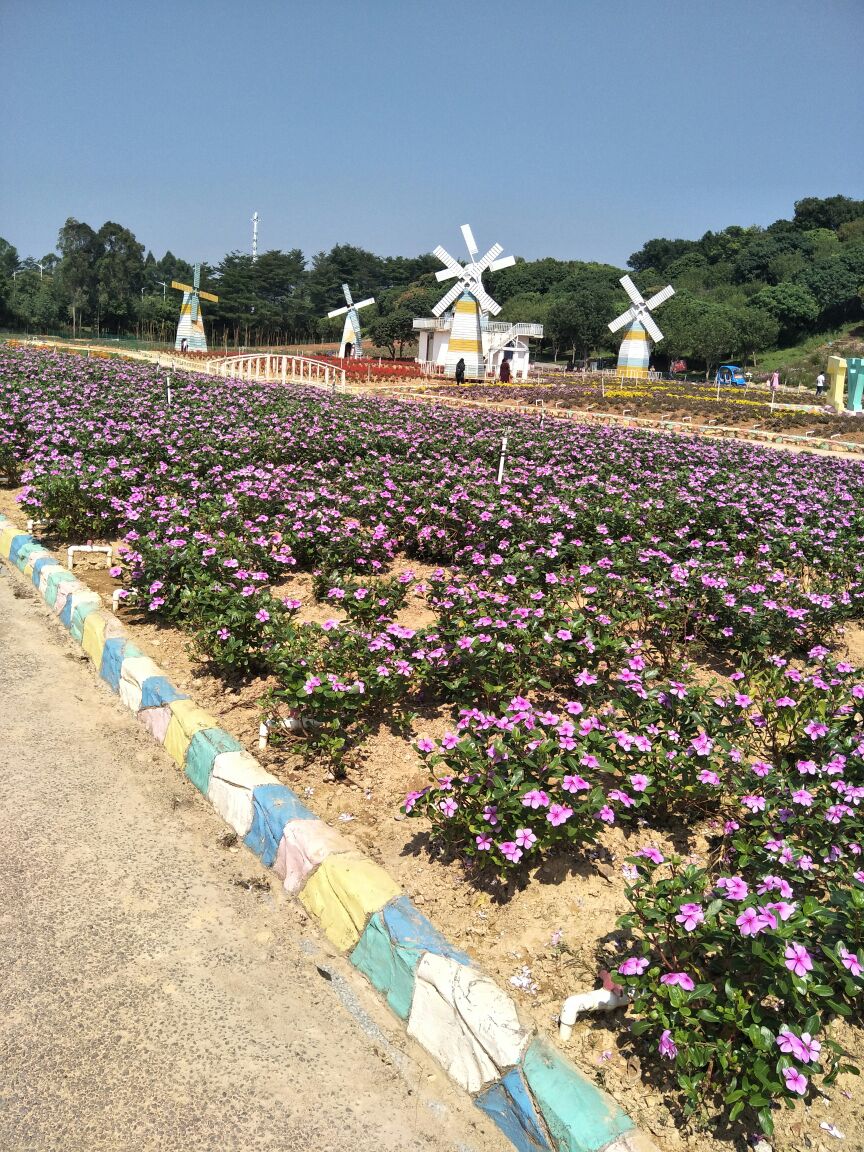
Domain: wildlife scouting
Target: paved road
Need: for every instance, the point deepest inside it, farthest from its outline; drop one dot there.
(150, 998)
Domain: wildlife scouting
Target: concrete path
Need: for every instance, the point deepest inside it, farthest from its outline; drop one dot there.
(156, 992)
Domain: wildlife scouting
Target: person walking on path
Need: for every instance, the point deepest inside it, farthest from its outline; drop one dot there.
(460, 370)
(505, 372)
(775, 380)
(820, 385)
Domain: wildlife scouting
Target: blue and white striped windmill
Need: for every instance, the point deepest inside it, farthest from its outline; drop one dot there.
(634, 355)
(471, 298)
(351, 331)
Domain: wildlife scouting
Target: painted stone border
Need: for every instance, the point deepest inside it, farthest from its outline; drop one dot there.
(540, 1101)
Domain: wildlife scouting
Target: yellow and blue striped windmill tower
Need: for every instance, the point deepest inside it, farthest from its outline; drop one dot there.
(191, 326)
(351, 331)
(634, 354)
(472, 299)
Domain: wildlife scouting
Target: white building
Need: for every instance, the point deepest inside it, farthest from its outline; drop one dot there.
(501, 341)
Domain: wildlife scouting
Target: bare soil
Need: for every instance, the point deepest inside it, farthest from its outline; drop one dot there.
(544, 938)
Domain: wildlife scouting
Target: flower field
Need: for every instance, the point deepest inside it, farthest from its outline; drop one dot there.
(672, 399)
(633, 634)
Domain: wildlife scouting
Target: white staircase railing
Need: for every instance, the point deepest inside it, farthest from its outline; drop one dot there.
(273, 366)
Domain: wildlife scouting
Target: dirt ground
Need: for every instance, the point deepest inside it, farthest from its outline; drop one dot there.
(544, 940)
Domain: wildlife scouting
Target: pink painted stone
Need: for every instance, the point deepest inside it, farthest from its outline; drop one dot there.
(304, 845)
(156, 721)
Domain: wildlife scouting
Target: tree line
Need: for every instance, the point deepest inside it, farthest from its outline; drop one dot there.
(739, 292)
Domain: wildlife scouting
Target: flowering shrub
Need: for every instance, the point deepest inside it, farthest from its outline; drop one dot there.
(572, 607)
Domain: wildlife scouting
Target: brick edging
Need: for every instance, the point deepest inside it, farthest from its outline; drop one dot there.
(538, 1099)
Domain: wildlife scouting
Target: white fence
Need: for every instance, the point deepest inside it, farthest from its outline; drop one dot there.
(276, 367)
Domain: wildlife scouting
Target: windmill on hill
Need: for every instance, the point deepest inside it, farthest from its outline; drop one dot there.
(471, 299)
(352, 344)
(634, 354)
(190, 329)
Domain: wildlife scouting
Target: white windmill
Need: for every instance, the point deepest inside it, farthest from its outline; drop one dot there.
(466, 341)
(352, 344)
(634, 354)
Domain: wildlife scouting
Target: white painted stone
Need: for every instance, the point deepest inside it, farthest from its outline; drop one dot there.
(234, 776)
(465, 1021)
(44, 572)
(133, 672)
(304, 845)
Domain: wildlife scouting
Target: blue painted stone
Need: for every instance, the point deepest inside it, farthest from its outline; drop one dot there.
(580, 1117)
(203, 749)
(116, 650)
(39, 565)
(390, 948)
(65, 616)
(157, 690)
(82, 611)
(273, 805)
(22, 555)
(508, 1102)
(18, 542)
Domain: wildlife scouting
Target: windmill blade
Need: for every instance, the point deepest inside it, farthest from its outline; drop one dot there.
(445, 301)
(208, 296)
(658, 298)
(493, 254)
(454, 268)
(347, 293)
(336, 312)
(631, 290)
(651, 328)
(624, 318)
(182, 287)
(364, 303)
(469, 239)
(487, 304)
(193, 310)
(504, 262)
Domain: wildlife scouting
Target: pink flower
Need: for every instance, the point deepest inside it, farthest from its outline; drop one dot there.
(814, 730)
(736, 888)
(424, 744)
(558, 814)
(633, 966)
(651, 853)
(667, 1047)
(484, 843)
(448, 807)
(311, 684)
(575, 784)
(690, 915)
(680, 978)
(850, 960)
(510, 850)
(750, 923)
(525, 837)
(535, 799)
(223, 633)
(795, 1081)
(263, 615)
(798, 959)
(606, 814)
(706, 776)
(639, 782)
(754, 803)
(702, 744)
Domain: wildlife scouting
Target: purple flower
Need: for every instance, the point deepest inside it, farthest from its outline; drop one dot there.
(680, 978)
(702, 744)
(690, 915)
(651, 853)
(484, 843)
(558, 814)
(223, 633)
(850, 960)
(736, 888)
(754, 803)
(633, 966)
(448, 807)
(536, 798)
(606, 814)
(511, 851)
(795, 1081)
(798, 959)
(667, 1047)
(424, 744)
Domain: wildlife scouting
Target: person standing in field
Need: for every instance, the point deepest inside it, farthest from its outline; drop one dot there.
(820, 385)
(505, 372)
(775, 380)
(460, 370)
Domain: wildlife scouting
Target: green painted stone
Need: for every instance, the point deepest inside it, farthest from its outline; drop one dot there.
(203, 749)
(55, 579)
(578, 1115)
(80, 614)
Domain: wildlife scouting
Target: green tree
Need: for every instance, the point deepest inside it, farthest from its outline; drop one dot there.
(793, 306)
(80, 251)
(119, 276)
(392, 331)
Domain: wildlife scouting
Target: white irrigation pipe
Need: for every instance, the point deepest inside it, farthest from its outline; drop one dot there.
(120, 595)
(106, 548)
(600, 1000)
(503, 454)
(294, 723)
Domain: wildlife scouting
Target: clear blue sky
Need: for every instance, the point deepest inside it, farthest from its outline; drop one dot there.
(569, 128)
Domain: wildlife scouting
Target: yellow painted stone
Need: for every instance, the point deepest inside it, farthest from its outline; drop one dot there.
(93, 637)
(186, 719)
(36, 554)
(7, 534)
(343, 893)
